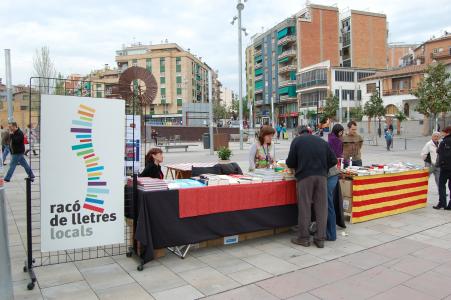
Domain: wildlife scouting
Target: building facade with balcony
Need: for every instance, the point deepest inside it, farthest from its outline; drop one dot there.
(434, 49)
(271, 64)
(315, 83)
(181, 77)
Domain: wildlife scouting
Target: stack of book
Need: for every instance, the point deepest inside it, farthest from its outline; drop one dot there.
(151, 184)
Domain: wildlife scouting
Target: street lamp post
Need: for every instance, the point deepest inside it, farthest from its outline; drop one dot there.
(240, 7)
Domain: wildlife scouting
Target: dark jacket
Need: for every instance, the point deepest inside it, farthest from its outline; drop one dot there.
(310, 156)
(17, 145)
(335, 144)
(152, 170)
(444, 153)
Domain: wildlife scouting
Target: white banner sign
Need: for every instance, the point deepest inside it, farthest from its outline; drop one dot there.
(82, 165)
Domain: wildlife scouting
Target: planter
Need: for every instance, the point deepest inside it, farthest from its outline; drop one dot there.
(224, 162)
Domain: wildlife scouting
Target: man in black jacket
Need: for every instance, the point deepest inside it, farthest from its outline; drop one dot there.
(312, 158)
(17, 152)
(444, 163)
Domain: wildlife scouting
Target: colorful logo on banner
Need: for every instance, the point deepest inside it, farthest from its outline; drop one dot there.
(85, 150)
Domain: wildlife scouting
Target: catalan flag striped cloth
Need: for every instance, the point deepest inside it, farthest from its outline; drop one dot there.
(379, 196)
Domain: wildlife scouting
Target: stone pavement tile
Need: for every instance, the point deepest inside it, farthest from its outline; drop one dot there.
(305, 296)
(364, 241)
(285, 252)
(75, 290)
(96, 262)
(435, 254)
(124, 292)
(398, 248)
(240, 250)
(411, 265)
(431, 283)
(434, 232)
(362, 286)
(346, 246)
(106, 276)
(364, 260)
(177, 265)
(59, 274)
(130, 264)
(225, 263)
(186, 292)
(271, 264)
(444, 269)
(403, 292)
(249, 275)
(385, 238)
(305, 261)
(249, 292)
(290, 284)
(22, 293)
(331, 271)
(205, 251)
(208, 281)
(157, 279)
(17, 272)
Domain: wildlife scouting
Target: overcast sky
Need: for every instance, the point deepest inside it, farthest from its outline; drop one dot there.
(83, 35)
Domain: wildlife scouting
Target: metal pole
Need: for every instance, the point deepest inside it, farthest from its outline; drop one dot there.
(210, 111)
(240, 7)
(9, 87)
(251, 114)
(340, 108)
(347, 108)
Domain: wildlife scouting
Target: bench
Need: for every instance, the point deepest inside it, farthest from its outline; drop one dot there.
(167, 147)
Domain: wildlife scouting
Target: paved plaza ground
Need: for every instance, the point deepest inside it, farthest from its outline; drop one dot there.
(405, 256)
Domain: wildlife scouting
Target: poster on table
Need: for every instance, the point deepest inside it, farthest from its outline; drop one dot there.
(82, 165)
(132, 144)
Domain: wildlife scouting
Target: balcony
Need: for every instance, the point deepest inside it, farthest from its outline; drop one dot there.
(287, 53)
(397, 92)
(441, 55)
(287, 83)
(287, 69)
(287, 98)
(259, 102)
(286, 40)
(258, 66)
(313, 83)
(257, 52)
(258, 90)
(259, 77)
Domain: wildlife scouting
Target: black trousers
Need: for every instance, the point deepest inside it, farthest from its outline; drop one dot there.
(445, 176)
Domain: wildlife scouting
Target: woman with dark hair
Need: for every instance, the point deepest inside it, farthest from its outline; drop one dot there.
(336, 145)
(260, 153)
(153, 160)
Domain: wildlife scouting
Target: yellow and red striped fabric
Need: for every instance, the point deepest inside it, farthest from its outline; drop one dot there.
(379, 196)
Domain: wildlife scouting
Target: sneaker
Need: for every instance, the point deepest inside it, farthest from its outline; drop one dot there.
(438, 206)
(6, 180)
(301, 243)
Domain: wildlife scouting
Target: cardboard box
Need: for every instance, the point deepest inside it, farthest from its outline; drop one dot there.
(159, 252)
(256, 234)
(282, 230)
(346, 188)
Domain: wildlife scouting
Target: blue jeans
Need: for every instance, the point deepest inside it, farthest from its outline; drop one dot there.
(331, 232)
(18, 159)
(6, 151)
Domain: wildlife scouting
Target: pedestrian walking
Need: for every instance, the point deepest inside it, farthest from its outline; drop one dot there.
(444, 163)
(429, 156)
(6, 140)
(17, 152)
(278, 129)
(388, 138)
(312, 158)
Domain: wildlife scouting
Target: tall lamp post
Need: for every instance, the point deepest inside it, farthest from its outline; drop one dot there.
(240, 7)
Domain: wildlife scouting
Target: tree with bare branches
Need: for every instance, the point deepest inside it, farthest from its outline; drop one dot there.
(44, 69)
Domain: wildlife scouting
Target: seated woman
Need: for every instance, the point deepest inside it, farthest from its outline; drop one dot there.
(153, 160)
(260, 153)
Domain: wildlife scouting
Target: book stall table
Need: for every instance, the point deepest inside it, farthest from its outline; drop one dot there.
(375, 196)
(183, 171)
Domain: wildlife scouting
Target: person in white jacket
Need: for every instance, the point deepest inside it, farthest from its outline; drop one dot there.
(429, 155)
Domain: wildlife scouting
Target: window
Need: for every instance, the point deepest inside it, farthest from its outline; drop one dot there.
(371, 88)
(163, 92)
(98, 85)
(23, 107)
(311, 99)
(347, 94)
(359, 95)
(178, 79)
(134, 62)
(179, 102)
(361, 75)
(149, 64)
(337, 93)
(162, 80)
(179, 91)
(162, 64)
(344, 76)
(399, 84)
(163, 101)
(312, 78)
(179, 111)
(25, 97)
(178, 68)
(99, 94)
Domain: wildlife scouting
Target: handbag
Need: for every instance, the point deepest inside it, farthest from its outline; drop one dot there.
(25, 140)
(428, 159)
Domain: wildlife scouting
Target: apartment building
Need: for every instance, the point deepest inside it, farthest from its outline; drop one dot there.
(250, 76)
(363, 39)
(399, 55)
(103, 82)
(317, 82)
(227, 97)
(275, 64)
(434, 49)
(181, 76)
